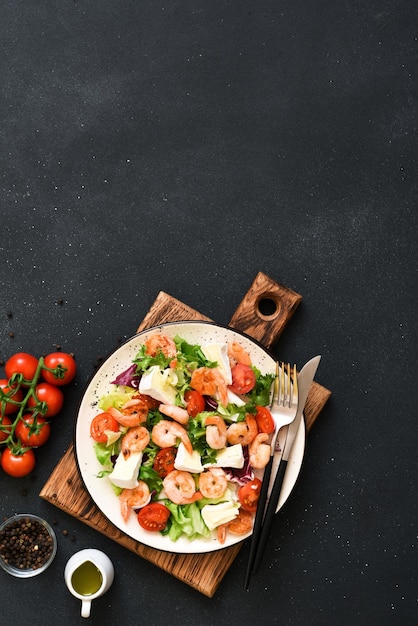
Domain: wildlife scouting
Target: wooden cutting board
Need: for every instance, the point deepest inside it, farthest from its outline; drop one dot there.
(263, 314)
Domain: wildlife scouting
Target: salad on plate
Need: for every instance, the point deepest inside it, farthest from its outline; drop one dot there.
(182, 436)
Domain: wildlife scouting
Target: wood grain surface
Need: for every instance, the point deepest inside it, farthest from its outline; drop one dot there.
(65, 488)
(265, 310)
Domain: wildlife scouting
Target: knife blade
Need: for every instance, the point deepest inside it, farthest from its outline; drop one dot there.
(305, 378)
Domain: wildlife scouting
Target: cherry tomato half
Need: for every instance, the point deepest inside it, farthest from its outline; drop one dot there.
(4, 430)
(21, 363)
(195, 402)
(249, 494)
(100, 424)
(243, 379)
(164, 461)
(153, 516)
(33, 431)
(264, 420)
(66, 365)
(146, 401)
(18, 465)
(51, 395)
(7, 408)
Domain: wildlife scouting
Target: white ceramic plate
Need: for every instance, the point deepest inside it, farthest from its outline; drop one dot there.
(100, 490)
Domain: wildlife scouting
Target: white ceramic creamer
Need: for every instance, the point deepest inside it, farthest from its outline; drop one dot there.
(88, 575)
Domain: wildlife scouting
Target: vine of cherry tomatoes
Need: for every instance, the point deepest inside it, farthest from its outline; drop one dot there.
(29, 395)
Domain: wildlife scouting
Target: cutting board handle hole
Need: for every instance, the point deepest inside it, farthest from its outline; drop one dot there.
(268, 306)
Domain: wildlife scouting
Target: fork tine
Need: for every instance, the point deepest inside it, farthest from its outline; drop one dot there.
(276, 392)
(295, 384)
(283, 384)
(284, 390)
(289, 387)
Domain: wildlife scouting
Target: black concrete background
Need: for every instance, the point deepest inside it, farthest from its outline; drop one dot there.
(185, 146)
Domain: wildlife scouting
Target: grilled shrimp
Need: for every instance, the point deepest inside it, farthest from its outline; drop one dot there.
(221, 533)
(215, 432)
(160, 343)
(180, 487)
(242, 524)
(135, 440)
(213, 482)
(237, 354)
(175, 412)
(165, 434)
(259, 451)
(242, 432)
(133, 413)
(209, 381)
(134, 499)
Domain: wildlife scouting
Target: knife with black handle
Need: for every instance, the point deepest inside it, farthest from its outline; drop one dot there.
(305, 378)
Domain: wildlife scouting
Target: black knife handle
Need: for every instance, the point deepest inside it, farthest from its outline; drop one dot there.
(270, 512)
(258, 519)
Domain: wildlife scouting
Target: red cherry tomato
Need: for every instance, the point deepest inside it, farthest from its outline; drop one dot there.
(4, 430)
(195, 402)
(7, 408)
(249, 494)
(164, 461)
(51, 395)
(66, 365)
(18, 465)
(264, 420)
(243, 379)
(21, 363)
(153, 516)
(33, 431)
(102, 422)
(147, 401)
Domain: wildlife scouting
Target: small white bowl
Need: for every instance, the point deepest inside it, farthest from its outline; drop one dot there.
(35, 530)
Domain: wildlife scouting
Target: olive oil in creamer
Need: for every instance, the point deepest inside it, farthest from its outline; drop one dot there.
(86, 579)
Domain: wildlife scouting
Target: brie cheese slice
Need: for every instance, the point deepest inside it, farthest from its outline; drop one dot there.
(126, 470)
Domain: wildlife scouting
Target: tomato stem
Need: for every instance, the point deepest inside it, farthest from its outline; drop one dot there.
(58, 372)
(40, 408)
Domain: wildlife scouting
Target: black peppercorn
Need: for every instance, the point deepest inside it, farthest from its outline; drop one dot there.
(25, 544)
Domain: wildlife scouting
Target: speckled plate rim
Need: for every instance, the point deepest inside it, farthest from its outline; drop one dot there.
(100, 490)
